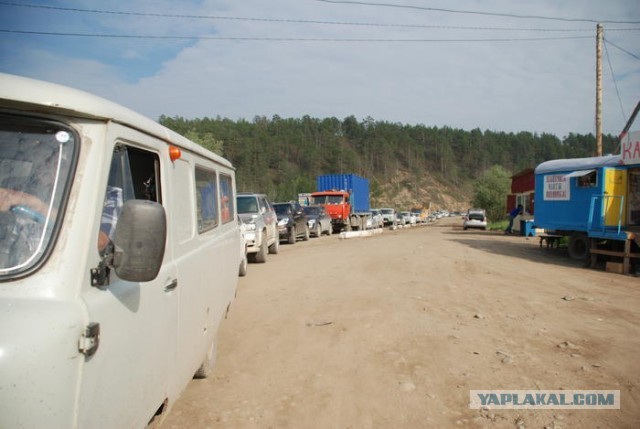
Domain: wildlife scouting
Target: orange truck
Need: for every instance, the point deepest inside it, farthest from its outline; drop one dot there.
(345, 198)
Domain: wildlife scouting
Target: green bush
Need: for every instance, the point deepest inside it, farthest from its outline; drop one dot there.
(490, 192)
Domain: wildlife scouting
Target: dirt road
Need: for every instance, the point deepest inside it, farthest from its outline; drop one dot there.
(393, 331)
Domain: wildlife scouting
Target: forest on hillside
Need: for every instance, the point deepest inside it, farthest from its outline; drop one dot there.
(282, 156)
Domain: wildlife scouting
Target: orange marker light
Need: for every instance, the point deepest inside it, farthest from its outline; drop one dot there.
(174, 153)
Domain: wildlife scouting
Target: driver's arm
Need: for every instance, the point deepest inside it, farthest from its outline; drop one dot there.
(10, 198)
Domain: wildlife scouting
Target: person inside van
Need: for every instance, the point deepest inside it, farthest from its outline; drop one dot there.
(119, 189)
(113, 202)
(10, 199)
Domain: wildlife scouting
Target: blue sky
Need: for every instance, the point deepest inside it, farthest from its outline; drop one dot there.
(400, 64)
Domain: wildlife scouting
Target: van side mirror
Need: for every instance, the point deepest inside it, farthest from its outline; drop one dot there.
(139, 240)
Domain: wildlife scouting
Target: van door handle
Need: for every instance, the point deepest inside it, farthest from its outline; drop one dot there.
(171, 286)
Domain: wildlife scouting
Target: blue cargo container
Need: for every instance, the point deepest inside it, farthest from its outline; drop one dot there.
(593, 201)
(357, 186)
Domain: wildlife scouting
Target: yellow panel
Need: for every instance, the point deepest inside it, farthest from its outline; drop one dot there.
(615, 185)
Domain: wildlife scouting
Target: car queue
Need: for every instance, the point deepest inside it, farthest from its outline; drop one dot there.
(267, 224)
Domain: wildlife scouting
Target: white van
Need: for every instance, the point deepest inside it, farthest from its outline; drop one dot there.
(103, 327)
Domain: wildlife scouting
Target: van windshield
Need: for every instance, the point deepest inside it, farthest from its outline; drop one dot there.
(36, 158)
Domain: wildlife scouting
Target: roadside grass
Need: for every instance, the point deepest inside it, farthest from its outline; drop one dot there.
(498, 226)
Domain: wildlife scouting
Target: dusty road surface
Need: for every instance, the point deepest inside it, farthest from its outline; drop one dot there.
(393, 331)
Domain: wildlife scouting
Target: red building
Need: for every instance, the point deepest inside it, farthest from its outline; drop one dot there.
(522, 191)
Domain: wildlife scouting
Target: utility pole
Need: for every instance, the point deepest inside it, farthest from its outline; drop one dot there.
(599, 90)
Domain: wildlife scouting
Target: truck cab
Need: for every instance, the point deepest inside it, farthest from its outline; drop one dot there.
(336, 204)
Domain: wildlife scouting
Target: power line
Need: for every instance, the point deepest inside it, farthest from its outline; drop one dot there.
(623, 50)
(472, 12)
(286, 39)
(297, 21)
(615, 82)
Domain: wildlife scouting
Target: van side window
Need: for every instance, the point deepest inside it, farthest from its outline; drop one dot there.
(207, 199)
(133, 174)
(145, 174)
(227, 199)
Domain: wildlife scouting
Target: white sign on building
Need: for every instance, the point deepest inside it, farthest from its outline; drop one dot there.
(556, 187)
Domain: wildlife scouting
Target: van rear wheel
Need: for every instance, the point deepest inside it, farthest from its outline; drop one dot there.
(209, 362)
(242, 270)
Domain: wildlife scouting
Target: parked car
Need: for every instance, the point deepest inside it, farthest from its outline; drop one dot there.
(388, 216)
(407, 218)
(475, 218)
(377, 220)
(261, 225)
(420, 214)
(292, 222)
(400, 220)
(318, 220)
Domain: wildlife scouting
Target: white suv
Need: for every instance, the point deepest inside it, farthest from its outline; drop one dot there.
(388, 216)
(261, 225)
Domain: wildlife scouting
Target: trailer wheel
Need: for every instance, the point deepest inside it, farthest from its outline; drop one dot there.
(579, 247)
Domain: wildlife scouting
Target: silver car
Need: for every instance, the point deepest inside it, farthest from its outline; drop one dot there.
(261, 225)
(475, 218)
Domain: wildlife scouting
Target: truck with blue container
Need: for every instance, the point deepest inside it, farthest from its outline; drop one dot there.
(345, 198)
(595, 202)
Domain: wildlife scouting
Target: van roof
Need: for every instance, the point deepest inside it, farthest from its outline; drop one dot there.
(31, 95)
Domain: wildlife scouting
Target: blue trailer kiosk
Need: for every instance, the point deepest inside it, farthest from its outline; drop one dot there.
(595, 202)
